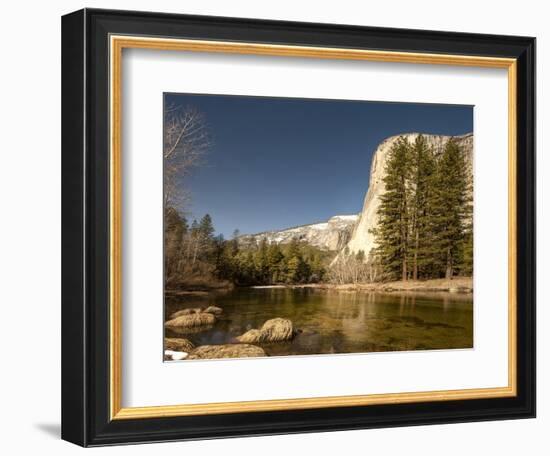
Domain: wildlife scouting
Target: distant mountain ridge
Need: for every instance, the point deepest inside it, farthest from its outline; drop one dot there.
(330, 235)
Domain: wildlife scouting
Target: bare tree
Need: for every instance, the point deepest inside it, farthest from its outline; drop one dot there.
(186, 140)
(373, 268)
(349, 268)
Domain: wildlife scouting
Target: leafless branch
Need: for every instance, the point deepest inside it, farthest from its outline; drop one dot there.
(186, 141)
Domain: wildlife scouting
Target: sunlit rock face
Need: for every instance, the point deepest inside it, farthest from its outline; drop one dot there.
(362, 237)
(333, 234)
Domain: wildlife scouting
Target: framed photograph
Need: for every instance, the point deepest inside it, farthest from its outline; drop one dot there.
(277, 227)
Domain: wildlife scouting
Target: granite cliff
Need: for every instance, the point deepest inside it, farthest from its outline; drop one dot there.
(362, 237)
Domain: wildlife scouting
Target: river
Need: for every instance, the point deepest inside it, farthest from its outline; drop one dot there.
(337, 321)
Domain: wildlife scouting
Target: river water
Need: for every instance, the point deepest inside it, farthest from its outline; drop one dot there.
(337, 321)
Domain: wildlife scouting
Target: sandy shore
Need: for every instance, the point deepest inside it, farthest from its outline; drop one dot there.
(456, 285)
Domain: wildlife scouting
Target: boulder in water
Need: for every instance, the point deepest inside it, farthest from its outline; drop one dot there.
(226, 351)
(214, 310)
(277, 330)
(191, 320)
(178, 344)
(179, 313)
(274, 330)
(251, 337)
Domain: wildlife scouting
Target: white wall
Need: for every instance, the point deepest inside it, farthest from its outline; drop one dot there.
(30, 229)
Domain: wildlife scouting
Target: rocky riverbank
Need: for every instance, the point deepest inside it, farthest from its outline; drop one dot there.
(455, 285)
(198, 319)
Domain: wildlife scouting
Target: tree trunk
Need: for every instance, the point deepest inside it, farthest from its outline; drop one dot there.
(195, 251)
(415, 260)
(449, 270)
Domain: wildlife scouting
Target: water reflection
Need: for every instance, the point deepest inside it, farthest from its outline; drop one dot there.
(337, 321)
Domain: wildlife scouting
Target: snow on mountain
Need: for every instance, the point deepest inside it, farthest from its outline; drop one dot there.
(330, 235)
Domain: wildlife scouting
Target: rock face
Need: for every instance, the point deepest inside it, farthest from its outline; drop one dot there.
(362, 238)
(330, 235)
(226, 351)
(274, 330)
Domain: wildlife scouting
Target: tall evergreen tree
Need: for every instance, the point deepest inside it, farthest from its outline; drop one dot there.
(467, 260)
(296, 268)
(194, 229)
(226, 268)
(293, 269)
(317, 268)
(392, 232)
(467, 263)
(422, 164)
(206, 239)
(448, 209)
(175, 230)
(274, 259)
(261, 262)
(206, 227)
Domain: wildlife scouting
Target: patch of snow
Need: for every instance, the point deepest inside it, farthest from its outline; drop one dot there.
(318, 226)
(345, 217)
(176, 355)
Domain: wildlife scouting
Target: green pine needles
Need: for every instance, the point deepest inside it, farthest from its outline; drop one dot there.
(425, 223)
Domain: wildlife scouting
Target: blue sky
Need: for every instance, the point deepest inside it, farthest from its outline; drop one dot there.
(282, 162)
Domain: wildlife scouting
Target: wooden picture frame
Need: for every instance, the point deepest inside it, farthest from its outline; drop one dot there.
(92, 44)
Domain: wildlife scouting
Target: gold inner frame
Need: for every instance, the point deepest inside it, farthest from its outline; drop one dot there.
(117, 44)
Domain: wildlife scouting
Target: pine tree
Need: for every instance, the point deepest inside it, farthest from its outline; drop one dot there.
(296, 269)
(218, 250)
(206, 227)
(261, 263)
(274, 260)
(175, 230)
(292, 249)
(448, 210)
(392, 232)
(467, 256)
(225, 267)
(292, 269)
(317, 268)
(246, 270)
(422, 168)
(467, 263)
(206, 238)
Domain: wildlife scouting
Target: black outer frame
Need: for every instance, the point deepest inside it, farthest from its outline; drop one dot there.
(85, 227)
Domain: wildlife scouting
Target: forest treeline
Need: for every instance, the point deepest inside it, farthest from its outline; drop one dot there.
(425, 226)
(424, 230)
(195, 257)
